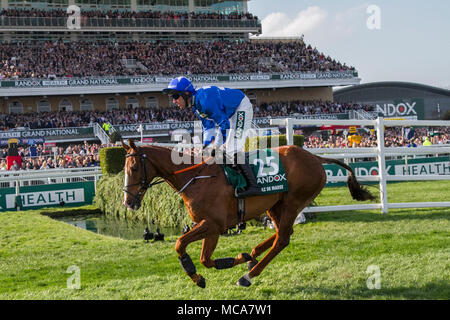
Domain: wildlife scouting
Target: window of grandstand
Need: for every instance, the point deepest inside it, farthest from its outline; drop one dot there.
(86, 105)
(16, 107)
(65, 105)
(112, 104)
(224, 7)
(132, 102)
(43, 106)
(151, 102)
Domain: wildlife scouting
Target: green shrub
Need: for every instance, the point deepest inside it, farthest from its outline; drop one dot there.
(254, 143)
(112, 160)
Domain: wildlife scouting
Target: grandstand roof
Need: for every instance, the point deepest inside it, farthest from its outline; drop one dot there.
(393, 84)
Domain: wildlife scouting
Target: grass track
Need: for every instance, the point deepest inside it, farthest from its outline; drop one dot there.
(326, 259)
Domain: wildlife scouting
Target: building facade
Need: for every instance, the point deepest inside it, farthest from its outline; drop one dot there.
(399, 99)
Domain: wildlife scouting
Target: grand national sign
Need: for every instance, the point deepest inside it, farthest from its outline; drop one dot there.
(401, 108)
(152, 79)
(46, 133)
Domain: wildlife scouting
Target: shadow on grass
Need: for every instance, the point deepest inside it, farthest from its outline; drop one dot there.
(438, 290)
(393, 215)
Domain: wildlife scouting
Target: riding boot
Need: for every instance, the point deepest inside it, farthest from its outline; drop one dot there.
(252, 189)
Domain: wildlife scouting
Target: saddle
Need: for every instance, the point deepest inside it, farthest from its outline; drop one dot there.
(267, 168)
(268, 177)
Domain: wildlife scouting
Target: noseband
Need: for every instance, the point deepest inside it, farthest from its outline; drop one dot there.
(144, 184)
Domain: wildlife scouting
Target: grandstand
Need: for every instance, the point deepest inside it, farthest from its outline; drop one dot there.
(122, 53)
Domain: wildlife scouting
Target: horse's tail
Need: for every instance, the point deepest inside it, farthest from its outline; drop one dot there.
(356, 190)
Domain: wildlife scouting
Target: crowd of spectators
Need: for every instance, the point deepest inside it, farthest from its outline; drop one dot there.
(61, 59)
(310, 107)
(393, 137)
(72, 156)
(119, 14)
(65, 119)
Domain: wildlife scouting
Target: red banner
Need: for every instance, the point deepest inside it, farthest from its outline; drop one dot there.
(10, 161)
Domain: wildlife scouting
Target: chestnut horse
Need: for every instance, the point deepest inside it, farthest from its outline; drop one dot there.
(212, 205)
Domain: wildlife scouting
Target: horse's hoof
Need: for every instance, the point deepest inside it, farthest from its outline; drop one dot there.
(244, 281)
(251, 264)
(199, 280)
(201, 283)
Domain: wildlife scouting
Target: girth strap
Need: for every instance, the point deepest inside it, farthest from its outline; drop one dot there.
(241, 213)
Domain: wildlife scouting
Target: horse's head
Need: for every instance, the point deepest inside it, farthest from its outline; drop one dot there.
(139, 172)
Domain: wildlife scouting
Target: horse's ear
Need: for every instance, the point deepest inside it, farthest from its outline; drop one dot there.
(125, 146)
(132, 145)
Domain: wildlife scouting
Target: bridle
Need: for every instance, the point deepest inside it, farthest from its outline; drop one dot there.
(144, 183)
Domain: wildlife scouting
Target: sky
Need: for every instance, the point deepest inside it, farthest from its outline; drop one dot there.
(385, 40)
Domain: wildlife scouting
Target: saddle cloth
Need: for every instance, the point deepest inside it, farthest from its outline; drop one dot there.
(268, 169)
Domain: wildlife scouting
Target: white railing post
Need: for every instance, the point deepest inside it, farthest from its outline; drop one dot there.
(17, 194)
(382, 164)
(289, 132)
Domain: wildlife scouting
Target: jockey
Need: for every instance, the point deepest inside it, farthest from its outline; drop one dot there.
(229, 109)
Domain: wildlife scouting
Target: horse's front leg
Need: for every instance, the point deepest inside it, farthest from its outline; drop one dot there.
(202, 230)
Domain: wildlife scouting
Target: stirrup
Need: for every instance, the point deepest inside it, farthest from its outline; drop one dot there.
(252, 191)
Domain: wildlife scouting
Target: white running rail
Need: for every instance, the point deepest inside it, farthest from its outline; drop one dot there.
(380, 152)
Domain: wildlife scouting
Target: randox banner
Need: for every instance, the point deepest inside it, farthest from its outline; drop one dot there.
(165, 126)
(401, 108)
(418, 166)
(114, 81)
(50, 195)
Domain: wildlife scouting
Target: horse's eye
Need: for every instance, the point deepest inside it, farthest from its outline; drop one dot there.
(134, 168)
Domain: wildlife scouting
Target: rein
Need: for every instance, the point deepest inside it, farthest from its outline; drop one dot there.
(190, 168)
(201, 164)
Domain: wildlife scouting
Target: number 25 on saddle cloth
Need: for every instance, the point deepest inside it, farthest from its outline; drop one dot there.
(268, 169)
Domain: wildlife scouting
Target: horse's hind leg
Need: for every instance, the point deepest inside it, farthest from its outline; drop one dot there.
(278, 241)
(259, 249)
(225, 263)
(266, 244)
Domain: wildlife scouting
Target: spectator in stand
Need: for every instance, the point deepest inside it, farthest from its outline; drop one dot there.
(427, 142)
(3, 165)
(15, 166)
(78, 155)
(97, 59)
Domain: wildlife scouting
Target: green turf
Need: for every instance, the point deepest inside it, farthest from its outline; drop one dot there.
(326, 258)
